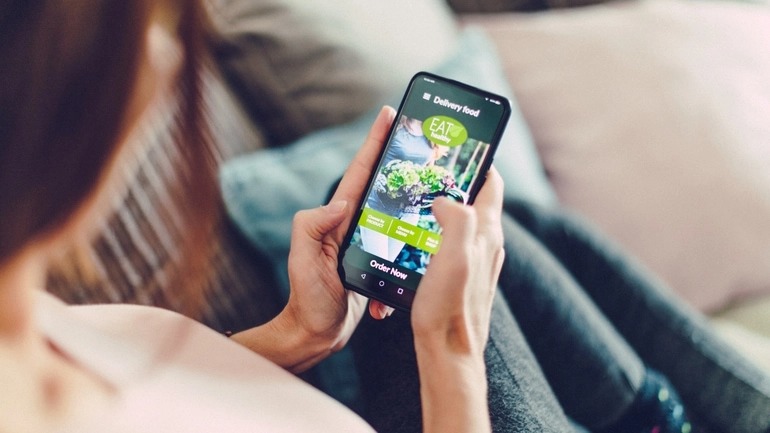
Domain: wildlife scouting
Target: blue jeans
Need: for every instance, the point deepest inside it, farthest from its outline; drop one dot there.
(574, 326)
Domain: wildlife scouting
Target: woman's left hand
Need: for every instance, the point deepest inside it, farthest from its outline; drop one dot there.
(319, 307)
(321, 315)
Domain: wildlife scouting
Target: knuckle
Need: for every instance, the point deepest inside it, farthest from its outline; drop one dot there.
(469, 217)
(299, 222)
(495, 176)
(491, 214)
(499, 256)
(299, 217)
(296, 223)
(461, 215)
(496, 240)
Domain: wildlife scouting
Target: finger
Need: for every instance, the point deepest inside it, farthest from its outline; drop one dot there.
(490, 195)
(489, 203)
(378, 310)
(353, 183)
(313, 225)
(450, 264)
(309, 240)
(489, 210)
(457, 221)
(360, 168)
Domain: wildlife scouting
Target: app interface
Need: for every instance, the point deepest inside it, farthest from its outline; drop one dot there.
(437, 147)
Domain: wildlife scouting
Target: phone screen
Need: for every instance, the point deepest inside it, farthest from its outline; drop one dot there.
(441, 144)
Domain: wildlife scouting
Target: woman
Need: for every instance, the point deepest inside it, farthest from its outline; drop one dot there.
(77, 77)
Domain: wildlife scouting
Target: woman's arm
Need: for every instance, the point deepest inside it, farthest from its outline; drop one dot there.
(453, 391)
(451, 310)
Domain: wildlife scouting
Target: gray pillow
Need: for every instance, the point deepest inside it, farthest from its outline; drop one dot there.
(301, 65)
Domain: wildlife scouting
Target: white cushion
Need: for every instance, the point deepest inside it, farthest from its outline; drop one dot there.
(653, 120)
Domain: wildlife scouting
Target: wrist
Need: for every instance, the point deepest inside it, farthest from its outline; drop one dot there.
(466, 364)
(453, 389)
(458, 337)
(284, 342)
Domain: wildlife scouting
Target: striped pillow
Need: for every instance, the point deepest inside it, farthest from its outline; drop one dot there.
(132, 257)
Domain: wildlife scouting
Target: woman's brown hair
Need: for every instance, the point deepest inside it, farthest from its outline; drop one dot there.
(68, 72)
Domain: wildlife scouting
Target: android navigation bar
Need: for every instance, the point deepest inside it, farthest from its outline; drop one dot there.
(385, 289)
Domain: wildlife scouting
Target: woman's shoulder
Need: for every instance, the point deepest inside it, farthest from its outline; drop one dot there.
(171, 371)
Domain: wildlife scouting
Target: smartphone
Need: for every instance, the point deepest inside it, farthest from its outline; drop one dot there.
(442, 143)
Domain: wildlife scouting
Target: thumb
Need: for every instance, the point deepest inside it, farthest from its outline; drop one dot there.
(457, 221)
(317, 223)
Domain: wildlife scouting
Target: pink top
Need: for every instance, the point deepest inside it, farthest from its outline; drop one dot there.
(172, 374)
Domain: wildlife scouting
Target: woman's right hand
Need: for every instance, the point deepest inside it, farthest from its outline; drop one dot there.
(451, 311)
(453, 302)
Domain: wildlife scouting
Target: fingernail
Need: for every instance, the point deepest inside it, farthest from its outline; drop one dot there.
(336, 207)
(388, 311)
(382, 310)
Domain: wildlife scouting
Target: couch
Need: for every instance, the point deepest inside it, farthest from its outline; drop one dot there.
(647, 117)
